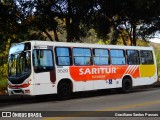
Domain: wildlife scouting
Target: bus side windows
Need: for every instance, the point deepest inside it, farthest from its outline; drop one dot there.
(101, 56)
(63, 56)
(117, 57)
(146, 57)
(133, 57)
(82, 56)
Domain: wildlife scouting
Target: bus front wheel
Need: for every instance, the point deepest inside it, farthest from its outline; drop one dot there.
(126, 85)
(64, 91)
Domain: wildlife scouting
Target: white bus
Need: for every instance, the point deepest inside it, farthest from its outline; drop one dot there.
(44, 67)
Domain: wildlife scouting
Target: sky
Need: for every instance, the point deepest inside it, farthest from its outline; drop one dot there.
(156, 40)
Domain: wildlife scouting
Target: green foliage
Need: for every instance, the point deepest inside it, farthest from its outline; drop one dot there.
(3, 85)
(136, 18)
(141, 42)
(107, 42)
(4, 70)
(4, 65)
(159, 72)
(3, 56)
(157, 51)
(158, 57)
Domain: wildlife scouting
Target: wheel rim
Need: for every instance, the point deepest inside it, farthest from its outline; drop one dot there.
(127, 86)
(64, 91)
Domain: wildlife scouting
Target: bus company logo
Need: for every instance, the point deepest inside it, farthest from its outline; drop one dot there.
(6, 114)
(103, 72)
(97, 73)
(92, 73)
(83, 71)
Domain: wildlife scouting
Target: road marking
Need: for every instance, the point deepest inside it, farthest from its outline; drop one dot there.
(131, 106)
(107, 109)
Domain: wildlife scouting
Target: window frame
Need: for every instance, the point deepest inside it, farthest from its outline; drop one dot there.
(39, 69)
(124, 53)
(91, 57)
(128, 57)
(145, 57)
(70, 55)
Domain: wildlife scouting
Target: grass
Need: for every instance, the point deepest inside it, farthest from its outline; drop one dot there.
(3, 85)
(159, 73)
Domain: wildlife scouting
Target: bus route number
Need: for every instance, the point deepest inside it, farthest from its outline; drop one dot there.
(62, 70)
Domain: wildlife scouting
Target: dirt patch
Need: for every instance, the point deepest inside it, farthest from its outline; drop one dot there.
(3, 93)
(157, 83)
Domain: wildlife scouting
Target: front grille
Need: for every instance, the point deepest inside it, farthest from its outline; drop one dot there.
(18, 91)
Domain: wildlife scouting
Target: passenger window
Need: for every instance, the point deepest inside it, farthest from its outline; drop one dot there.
(133, 57)
(117, 57)
(63, 57)
(101, 56)
(82, 56)
(146, 57)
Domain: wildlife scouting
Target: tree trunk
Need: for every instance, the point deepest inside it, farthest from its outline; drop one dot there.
(48, 35)
(124, 40)
(134, 35)
(68, 22)
(114, 37)
(55, 35)
(129, 32)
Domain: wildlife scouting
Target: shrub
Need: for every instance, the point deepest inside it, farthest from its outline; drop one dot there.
(3, 85)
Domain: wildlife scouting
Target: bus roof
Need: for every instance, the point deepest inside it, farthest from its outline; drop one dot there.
(87, 45)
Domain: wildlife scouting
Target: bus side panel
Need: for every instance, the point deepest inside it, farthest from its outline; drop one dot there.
(147, 70)
(43, 84)
(106, 84)
(148, 75)
(144, 81)
(63, 72)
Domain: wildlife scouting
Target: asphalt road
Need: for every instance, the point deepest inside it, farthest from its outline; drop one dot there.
(95, 103)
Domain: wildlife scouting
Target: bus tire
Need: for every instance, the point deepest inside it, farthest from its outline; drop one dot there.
(64, 91)
(126, 85)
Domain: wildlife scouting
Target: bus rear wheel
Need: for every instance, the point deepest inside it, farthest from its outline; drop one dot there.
(126, 85)
(64, 91)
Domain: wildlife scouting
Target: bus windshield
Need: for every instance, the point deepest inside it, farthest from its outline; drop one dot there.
(19, 64)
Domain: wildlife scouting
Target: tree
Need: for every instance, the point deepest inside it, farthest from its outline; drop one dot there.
(39, 16)
(152, 24)
(128, 19)
(77, 17)
(8, 20)
(129, 16)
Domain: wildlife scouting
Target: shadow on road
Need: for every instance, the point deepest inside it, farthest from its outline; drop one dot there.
(17, 100)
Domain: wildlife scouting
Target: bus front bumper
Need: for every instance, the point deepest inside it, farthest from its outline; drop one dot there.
(20, 91)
